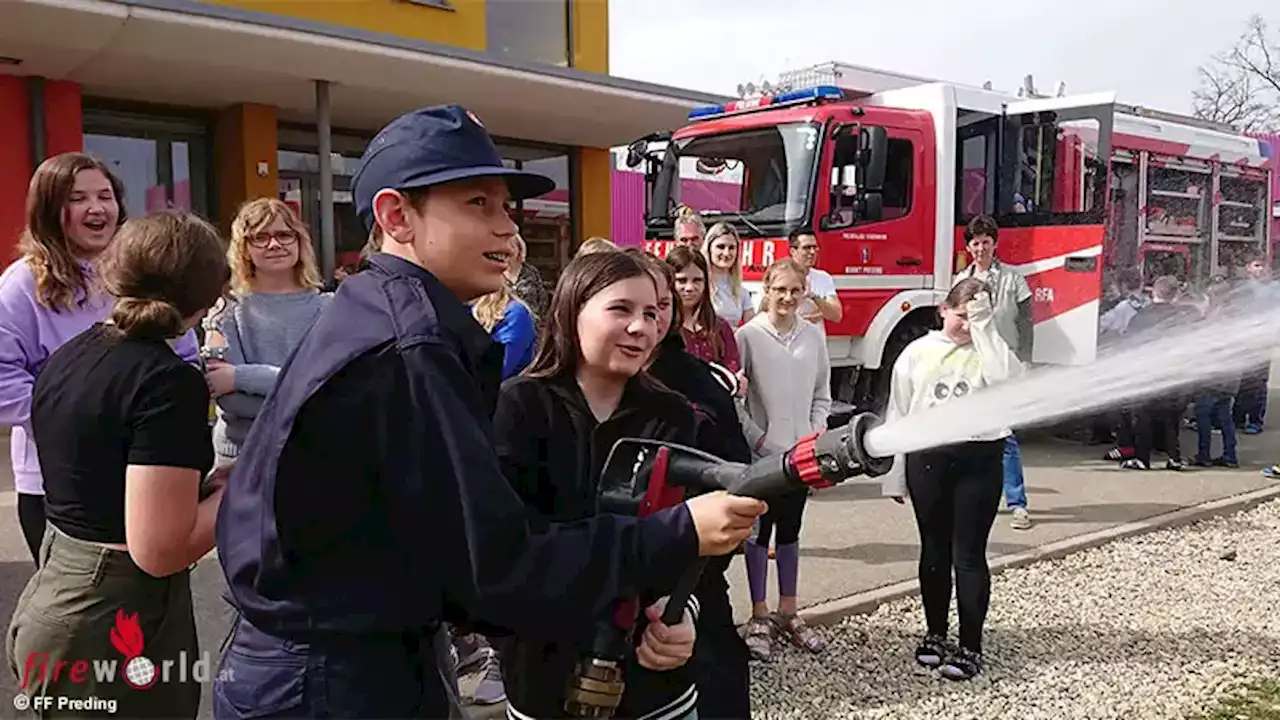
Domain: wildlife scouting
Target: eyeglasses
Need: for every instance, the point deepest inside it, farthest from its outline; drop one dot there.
(263, 239)
(806, 248)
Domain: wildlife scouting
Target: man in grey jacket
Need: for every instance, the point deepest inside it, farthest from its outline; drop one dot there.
(1011, 300)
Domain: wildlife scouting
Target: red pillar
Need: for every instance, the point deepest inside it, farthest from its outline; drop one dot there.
(63, 117)
(15, 162)
(63, 132)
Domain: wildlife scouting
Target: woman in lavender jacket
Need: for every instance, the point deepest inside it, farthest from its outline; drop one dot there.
(49, 296)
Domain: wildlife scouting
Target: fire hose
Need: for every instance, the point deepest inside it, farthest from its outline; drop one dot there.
(642, 477)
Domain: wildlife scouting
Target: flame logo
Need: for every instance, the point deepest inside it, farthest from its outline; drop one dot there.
(126, 636)
(139, 672)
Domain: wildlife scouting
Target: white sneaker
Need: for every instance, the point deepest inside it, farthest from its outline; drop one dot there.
(1021, 519)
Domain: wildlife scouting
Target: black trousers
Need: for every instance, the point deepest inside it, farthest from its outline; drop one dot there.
(785, 516)
(31, 518)
(955, 493)
(720, 656)
(1251, 400)
(1158, 424)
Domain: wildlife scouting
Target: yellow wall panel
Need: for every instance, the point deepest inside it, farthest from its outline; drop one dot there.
(462, 26)
(595, 198)
(591, 35)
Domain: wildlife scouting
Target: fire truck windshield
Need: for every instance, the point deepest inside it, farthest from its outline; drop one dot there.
(751, 177)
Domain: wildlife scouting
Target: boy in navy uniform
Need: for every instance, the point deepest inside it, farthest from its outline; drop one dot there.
(367, 505)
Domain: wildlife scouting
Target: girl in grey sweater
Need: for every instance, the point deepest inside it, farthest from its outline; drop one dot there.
(275, 299)
(788, 398)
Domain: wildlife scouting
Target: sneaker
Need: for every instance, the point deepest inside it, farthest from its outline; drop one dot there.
(491, 691)
(932, 651)
(1225, 463)
(470, 653)
(1174, 465)
(964, 664)
(1021, 519)
(1271, 471)
(1133, 464)
(1252, 429)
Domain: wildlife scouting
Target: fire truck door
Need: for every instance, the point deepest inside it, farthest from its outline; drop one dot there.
(1051, 206)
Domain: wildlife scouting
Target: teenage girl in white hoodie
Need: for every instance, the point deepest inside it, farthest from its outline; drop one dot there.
(784, 358)
(955, 490)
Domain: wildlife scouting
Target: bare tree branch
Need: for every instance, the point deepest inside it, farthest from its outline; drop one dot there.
(1241, 87)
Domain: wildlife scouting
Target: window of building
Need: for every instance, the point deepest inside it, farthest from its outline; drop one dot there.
(534, 31)
(163, 162)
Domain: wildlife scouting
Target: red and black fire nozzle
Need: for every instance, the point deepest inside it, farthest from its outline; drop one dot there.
(642, 477)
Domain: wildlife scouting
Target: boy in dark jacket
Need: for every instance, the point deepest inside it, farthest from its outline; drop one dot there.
(1162, 414)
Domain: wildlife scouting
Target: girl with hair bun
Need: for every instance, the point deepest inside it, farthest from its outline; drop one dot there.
(123, 444)
(75, 204)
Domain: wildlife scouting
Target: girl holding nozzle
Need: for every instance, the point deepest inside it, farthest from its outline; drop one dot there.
(955, 490)
(554, 428)
(784, 358)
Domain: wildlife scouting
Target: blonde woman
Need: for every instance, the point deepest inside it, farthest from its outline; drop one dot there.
(511, 325)
(275, 298)
(525, 280)
(730, 299)
(595, 245)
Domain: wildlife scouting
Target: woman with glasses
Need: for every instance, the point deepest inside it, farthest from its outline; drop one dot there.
(275, 298)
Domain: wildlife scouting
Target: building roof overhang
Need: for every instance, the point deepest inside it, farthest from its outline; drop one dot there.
(188, 53)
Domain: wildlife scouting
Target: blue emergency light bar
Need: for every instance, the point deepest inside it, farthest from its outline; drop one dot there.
(794, 97)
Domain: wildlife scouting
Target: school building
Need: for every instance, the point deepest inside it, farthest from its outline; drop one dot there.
(202, 104)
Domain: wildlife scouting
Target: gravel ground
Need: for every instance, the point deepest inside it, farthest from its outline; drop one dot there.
(1157, 626)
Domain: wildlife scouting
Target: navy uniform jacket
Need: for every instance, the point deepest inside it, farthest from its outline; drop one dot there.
(368, 498)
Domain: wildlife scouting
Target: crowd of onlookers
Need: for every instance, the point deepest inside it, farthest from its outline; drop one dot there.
(1225, 404)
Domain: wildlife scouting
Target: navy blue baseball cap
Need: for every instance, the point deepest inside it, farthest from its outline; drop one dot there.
(431, 146)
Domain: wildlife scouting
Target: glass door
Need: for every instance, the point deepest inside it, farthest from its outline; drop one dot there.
(163, 162)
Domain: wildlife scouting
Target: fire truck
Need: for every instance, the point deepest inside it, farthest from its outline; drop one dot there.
(886, 171)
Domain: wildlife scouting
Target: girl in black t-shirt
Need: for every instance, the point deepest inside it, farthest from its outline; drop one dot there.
(554, 428)
(120, 427)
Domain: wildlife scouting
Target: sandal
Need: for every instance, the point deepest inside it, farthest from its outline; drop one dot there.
(758, 634)
(799, 632)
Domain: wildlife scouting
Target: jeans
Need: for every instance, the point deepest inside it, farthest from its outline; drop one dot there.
(400, 675)
(1015, 485)
(1213, 408)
